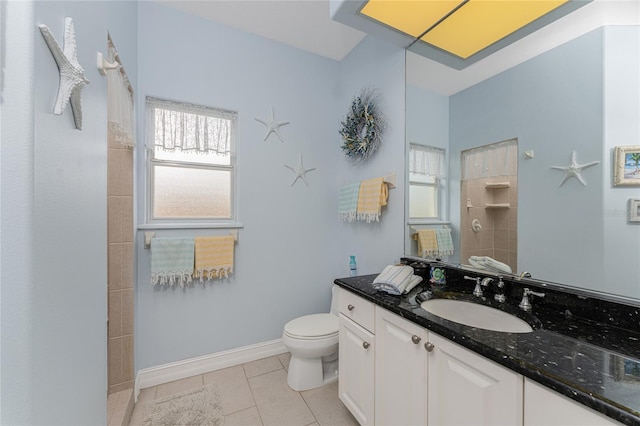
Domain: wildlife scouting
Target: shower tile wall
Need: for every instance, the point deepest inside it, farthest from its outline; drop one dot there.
(120, 260)
(499, 236)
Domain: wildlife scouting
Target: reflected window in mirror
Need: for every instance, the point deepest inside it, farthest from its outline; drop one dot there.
(426, 177)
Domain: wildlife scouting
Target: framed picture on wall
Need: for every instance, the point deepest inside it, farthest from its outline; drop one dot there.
(634, 209)
(626, 166)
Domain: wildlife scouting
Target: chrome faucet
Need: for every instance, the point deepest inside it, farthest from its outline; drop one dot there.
(524, 274)
(477, 291)
(486, 281)
(499, 296)
(525, 305)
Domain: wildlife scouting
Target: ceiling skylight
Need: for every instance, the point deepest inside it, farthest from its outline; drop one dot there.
(456, 33)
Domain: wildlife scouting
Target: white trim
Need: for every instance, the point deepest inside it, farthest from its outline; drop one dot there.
(153, 376)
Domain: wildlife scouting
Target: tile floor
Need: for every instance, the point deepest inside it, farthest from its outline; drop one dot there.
(256, 394)
(119, 407)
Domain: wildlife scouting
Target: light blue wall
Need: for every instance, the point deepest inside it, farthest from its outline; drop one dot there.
(427, 123)
(16, 235)
(377, 64)
(54, 280)
(621, 127)
(427, 117)
(292, 245)
(553, 105)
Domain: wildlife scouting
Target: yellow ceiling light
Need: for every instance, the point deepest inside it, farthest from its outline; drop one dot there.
(480, 23)
(412, 17)
(460, 32)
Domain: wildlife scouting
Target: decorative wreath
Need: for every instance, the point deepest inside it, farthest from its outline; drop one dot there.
(363, 127)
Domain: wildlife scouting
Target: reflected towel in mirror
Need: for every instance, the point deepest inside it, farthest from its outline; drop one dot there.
(490, 264)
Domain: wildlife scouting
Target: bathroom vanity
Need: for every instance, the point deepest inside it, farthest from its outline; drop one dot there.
(400, 364)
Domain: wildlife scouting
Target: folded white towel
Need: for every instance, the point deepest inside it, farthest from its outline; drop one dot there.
(396, 279)
(490, 264)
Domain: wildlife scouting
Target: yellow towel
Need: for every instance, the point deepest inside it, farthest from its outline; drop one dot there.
(427, 242)
(214, 257)
(373, 195)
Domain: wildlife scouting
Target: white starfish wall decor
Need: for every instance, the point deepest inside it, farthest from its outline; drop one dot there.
(72, 78)
(273, 126)
(300, 171)
(574, 169)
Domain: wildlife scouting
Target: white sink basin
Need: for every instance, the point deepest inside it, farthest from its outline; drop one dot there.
(475, 315)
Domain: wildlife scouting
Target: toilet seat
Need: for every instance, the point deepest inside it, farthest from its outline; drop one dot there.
(311, 327)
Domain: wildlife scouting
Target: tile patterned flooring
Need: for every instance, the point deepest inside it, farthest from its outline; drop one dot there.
(257, 394)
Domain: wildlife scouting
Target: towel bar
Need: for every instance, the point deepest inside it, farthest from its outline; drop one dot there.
(389, 179)
(149, 235)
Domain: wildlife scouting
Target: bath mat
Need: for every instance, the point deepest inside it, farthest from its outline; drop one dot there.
(199, 406)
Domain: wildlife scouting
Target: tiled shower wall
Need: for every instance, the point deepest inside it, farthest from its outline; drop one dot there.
(120, 259)
(499, 235)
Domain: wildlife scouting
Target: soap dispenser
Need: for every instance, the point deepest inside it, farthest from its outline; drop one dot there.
(353, 268)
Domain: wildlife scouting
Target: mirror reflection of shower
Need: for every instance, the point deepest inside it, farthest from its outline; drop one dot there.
(489, 203)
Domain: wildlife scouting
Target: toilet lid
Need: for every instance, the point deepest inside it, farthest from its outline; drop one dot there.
(310, 326)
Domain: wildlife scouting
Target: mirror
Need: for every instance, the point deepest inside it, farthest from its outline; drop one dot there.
(580, 97)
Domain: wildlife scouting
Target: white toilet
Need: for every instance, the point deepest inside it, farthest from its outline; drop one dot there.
(313, 343)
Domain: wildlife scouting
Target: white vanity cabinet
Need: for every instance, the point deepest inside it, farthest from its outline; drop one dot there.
(356, 354)
(401, 371)
(544, 407)
(395, 372)
(467, 389)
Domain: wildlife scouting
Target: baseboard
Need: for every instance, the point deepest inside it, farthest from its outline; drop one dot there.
(154, 376)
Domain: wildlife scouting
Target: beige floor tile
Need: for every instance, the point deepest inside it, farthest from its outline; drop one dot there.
(277, 404)
(248, 417)
(284, 359)
(177, 386)
(233, 388)
(136, 416)
(327, 407)
(262, 366)
(120, 405)
(147, 394)
(112, 401)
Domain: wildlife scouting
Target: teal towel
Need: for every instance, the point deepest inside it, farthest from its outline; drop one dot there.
(348, 201)
(445, 243)
(172, 261)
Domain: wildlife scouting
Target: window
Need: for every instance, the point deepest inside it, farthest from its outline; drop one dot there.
(426, 175)
(191, 163)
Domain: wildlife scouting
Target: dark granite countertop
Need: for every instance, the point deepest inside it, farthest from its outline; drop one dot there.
(584, 348)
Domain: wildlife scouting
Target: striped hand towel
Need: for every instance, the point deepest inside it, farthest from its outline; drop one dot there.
(396, 279)
(373, 195)
(348, 202)
(214, 257)
(427, 242)
(171, 261)
(445, 243)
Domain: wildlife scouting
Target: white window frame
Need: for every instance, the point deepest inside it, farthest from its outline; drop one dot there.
(440, 190)
(191, 222)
